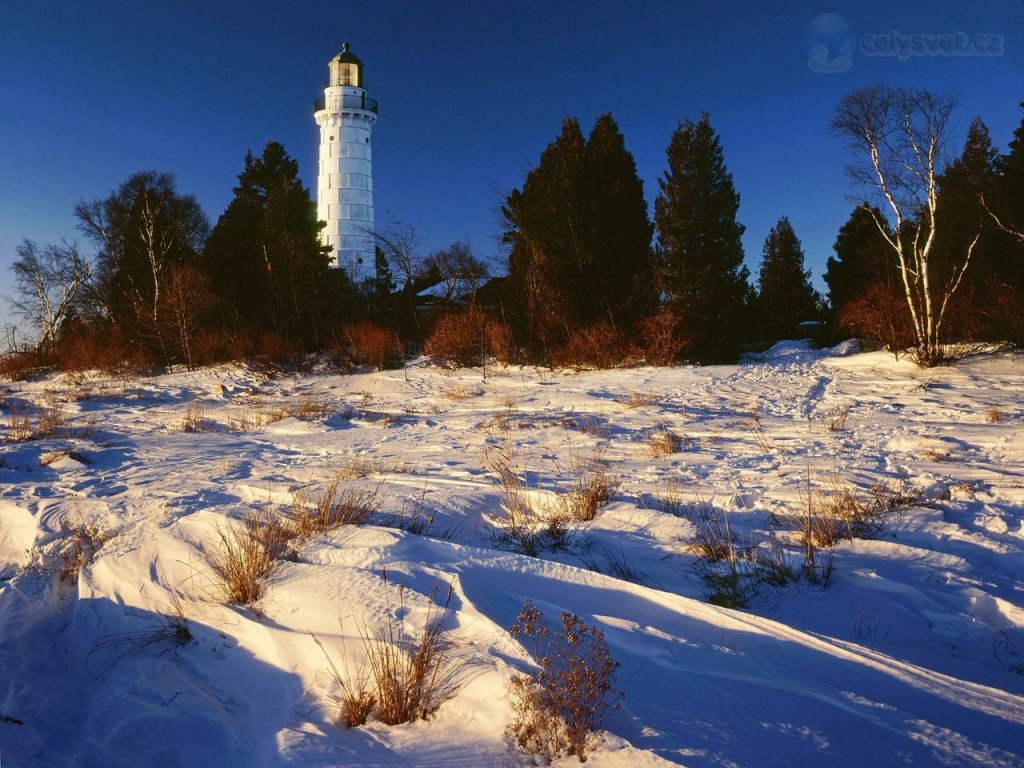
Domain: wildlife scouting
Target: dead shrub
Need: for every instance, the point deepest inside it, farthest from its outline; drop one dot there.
(372, 344)
(459, 339)
(600, 346)
(246, 554)
(660, 339)
(78, 547)
(561, 705)
(993, 415)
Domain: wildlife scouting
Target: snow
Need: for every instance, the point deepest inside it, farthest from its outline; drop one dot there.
(914, 653)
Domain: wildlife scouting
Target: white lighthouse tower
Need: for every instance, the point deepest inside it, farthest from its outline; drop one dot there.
(344, 186)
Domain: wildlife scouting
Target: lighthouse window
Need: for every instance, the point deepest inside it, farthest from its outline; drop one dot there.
(331, 138)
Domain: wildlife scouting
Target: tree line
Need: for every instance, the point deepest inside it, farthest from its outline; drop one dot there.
(933, 253)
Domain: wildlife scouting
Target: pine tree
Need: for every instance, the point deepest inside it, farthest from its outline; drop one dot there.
(617, 279)
(264, 256)
(542, 222)
(785, 296)
(1008, 205)
(699, 249)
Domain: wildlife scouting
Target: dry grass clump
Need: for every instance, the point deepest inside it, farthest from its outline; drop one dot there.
(407, 674)
(195, 419)
(459, 393)
(411, 677)
(664, 442)
(839, 512)
(246, 555)
(638, 400)
(562, 705)
(311, 409)
(25, 424)
(335, 506)
(757, 433)
(590, 493)
(670, 498)
(993, 415)
(171, 628)
(527, 529)
(255, 414)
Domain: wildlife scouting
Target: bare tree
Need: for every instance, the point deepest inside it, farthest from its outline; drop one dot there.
(461, 272)
(48, 281)
(900, 136)
(400, 243)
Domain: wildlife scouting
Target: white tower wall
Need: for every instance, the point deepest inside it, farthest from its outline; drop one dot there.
(346, 117)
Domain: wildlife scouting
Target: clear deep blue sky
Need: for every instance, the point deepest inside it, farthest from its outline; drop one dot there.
(470, 93)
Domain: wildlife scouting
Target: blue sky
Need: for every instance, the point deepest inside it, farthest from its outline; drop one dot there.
(470, 93)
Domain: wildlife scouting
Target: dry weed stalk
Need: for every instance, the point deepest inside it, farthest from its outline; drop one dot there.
(837, 417)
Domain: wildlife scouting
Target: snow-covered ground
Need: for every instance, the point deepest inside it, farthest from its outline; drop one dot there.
(913, 654)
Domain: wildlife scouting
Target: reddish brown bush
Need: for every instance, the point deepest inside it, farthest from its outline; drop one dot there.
(500, 341)
(459, 339)
(105, 348)
(372, 344)
(600, 345)
(880, 315)
(660, 338)
(18, 366)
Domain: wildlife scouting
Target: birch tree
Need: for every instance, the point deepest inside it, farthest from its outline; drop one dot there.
(899, 138)
(48, 281)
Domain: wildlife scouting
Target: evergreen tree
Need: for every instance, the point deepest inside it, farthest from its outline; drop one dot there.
(264, 256)
(699, 249)
(862, 259)
(785, 296)
(580, 238)
(617, 278)
(1008, 204)
(542, 221)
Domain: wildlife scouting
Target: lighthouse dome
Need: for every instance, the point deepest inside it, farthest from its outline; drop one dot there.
(346, 69)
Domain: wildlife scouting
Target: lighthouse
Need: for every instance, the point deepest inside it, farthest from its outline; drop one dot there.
(344, 184)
